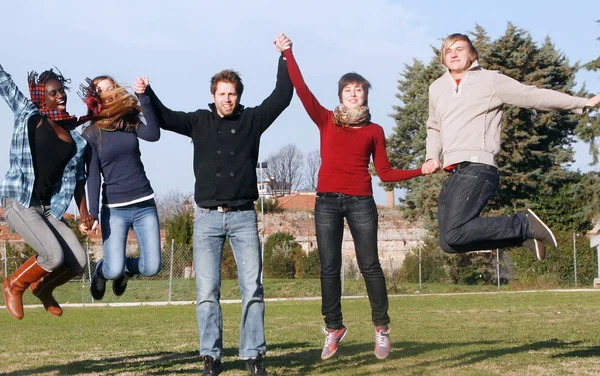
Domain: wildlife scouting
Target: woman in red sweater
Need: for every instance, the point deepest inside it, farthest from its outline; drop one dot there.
(348, 141)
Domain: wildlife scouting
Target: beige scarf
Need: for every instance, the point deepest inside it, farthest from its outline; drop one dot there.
(344, 116)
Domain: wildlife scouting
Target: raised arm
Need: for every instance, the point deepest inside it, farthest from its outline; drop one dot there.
(175, 121)
(386, 173)
(318, 114)
(279, 99)
(150, 131)
(17, 102)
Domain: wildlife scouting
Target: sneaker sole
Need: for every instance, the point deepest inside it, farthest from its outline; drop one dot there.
(336, 349)
(540, 250)
(554, 242)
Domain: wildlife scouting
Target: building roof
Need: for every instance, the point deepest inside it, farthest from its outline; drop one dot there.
(298, 200)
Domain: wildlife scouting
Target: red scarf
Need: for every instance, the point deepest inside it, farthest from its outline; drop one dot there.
(89, 96)
(38, 93)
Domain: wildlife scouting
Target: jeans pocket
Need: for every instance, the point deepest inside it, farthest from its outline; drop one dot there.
(486, 192)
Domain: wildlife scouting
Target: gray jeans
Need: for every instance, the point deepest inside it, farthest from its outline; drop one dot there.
(52, 239)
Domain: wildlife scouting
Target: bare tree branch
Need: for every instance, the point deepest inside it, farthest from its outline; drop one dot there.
(313, 163)
(284, 168)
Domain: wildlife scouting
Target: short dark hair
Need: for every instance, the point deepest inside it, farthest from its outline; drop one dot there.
(353, 78)
(230, 76)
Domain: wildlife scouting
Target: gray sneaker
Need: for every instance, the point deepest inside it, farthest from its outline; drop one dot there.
(537, 247)
(383, 346)
(539, 230)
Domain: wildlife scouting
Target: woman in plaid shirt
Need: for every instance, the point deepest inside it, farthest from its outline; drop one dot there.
(46, 169)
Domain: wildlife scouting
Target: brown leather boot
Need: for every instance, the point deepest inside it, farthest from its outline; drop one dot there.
(17, 283)
(44, 287)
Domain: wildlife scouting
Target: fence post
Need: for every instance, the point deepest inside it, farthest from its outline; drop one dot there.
(89, 264)
(498, 267)
(5, 260)
(171, 270)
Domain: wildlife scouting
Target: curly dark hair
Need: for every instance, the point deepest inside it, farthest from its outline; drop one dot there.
(48, 75)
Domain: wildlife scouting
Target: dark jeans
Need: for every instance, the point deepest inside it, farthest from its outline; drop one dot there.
(463, 196)
(361, 214)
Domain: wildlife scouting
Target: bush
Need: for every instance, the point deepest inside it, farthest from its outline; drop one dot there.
(228, 265)
(557, 268)
(433, 265)
(282, 256)
(270, 205)
(310, 265)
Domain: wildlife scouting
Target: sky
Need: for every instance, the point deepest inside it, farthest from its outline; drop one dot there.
(179, 45)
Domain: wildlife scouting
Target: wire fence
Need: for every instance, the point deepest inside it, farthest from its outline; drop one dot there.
(175, 281)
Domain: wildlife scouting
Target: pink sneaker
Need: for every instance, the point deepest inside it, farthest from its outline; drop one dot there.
(383, 345)
(333, 337)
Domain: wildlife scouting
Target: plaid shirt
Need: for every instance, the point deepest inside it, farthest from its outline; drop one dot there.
(20, 177)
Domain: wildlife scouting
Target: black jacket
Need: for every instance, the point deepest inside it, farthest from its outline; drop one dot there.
(226, 149)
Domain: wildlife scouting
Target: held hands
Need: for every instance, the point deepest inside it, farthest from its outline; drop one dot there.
(282, 43)
(593, 102)
(87, 222)
(140, 85)
(431, 166)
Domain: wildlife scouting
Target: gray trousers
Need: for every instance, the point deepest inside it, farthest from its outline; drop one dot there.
(52, 239)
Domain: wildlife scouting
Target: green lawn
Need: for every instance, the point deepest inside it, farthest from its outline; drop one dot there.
(517, 333)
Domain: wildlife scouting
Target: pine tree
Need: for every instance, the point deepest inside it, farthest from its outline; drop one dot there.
(589, 127)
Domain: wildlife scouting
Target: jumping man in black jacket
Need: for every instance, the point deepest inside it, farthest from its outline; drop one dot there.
(226, 141)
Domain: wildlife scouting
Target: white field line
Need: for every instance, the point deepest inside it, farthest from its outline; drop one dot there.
(312, 298)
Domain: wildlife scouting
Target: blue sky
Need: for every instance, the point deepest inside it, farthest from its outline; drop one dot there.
(181, 44)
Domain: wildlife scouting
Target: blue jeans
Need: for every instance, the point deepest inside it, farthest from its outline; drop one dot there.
(462, 198)
(116, 223)
(211, 227)
(361, 214)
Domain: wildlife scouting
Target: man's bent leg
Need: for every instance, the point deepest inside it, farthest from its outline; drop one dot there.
(464, 195)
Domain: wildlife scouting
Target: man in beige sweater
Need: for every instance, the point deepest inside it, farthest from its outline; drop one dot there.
(464, 126)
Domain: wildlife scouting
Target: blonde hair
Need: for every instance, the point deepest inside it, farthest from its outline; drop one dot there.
(453, 38)
(120, 108)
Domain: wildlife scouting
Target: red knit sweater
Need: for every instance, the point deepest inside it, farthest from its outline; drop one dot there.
(345, 152)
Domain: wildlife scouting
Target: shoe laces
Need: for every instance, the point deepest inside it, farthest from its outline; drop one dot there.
(382, 339)
(331, 338)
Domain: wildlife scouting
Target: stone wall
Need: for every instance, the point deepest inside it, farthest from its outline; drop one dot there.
(396, 235)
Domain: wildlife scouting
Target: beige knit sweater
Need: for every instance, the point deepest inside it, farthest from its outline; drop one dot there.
(465, 120)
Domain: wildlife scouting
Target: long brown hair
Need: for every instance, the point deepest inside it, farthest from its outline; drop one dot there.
(120, 109)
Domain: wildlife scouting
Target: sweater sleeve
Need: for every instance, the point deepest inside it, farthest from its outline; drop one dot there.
(93, 179)
(318, 114)
(433, 142)
(511, 91)
(175, 121)
(150, 131)
(278, 100)
(386, 173)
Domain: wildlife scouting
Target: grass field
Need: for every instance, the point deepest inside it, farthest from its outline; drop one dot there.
(509, 333)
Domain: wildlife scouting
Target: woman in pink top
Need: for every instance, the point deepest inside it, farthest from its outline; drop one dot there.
(348, 141)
